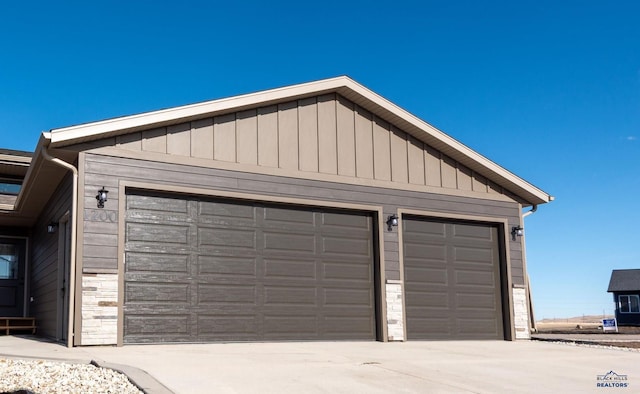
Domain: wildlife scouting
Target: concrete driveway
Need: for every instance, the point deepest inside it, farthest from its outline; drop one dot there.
(360, 367)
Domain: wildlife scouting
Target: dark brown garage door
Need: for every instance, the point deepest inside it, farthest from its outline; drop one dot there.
(214, 270)
(452, 280)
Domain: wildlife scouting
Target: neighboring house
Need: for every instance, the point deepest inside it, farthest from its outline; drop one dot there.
(318, 211)
(625, 286)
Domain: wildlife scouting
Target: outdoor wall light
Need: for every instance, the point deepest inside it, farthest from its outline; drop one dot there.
(52, 227)
(516, 231)
(102, 197)
(392, 222)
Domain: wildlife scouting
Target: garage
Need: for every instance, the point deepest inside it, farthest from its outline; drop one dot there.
(453, 279)
(201, 270)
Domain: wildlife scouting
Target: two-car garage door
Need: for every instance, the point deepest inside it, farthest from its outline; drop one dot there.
(201, 270)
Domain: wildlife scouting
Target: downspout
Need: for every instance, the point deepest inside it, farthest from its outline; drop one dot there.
(74, 230)
(532, 323)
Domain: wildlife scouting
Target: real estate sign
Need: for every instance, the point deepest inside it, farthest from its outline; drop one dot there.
(609, 325)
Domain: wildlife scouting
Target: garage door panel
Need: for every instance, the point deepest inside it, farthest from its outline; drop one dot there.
(154, 203)
(157, 292)
(294, 268)
(452, 280)
(235, 326)
(428, 275)
(227, 238)
(255, 272)
(428, 300)
(482, 232)
(278, 216)
(347, 297)
(156, 263)
(290, 295)
(345, 223)
(476, 279)
(346, 246)
(217, 293)
(209, 209)
(152, 325)
(359, 271)
(478, 255)
(144, 232)
(417, 249)
(418, 229)
(289, 243)
(226, 266)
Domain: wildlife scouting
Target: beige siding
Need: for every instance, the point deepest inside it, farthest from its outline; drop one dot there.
(224, 138)
(364, 144)
(288, 136)
(381, 150)
(155, 140)
(308, 134)
(179, 139)
(327, 143)
(327, 134)
(346, 138)
(399, 158)
(268, 136)
(247, 137)
(202, 138)
(416, 161)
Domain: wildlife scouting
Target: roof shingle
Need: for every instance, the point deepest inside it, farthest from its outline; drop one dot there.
(624, 280)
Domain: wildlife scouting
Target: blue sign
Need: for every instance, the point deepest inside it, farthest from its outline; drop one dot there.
(609, 325)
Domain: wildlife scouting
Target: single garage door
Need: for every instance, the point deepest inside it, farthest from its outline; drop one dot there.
(199, 270)
(452, 279)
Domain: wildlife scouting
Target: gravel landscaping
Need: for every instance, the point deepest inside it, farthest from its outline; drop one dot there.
(37, 376)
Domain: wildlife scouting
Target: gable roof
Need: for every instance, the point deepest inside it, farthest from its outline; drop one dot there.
(624, 280)
(351, 90)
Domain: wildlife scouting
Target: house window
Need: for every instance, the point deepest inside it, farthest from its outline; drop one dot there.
(629, 303)
(8, 261)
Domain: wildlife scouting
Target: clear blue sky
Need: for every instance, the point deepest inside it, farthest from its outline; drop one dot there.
(550, 90)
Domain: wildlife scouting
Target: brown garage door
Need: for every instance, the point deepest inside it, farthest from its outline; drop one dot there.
(452, 279)
(201, 270)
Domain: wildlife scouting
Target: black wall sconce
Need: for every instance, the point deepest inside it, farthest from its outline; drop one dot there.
(516, 231)
(102, 197)
(392, 222)
(52, 228)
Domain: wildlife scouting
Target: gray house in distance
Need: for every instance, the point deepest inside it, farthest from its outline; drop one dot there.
(625, 286)
(318, 211)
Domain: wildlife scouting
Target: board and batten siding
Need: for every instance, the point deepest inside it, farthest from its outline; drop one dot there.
(44, 261)
(100, 227)
(327, 134)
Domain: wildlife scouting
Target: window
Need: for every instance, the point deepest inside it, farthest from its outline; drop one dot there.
(8, 261)
(629, 303)
(9, 186)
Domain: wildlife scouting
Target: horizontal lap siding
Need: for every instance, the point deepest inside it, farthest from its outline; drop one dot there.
(44, 261)
(101, 228)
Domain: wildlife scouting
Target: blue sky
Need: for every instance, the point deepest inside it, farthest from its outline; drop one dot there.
(550, 90)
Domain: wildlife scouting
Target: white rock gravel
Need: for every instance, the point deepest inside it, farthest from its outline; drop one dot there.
(38, 376)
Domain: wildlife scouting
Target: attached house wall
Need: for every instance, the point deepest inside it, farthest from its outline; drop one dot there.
(322, 148)
(45, 288)
(100, 226)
